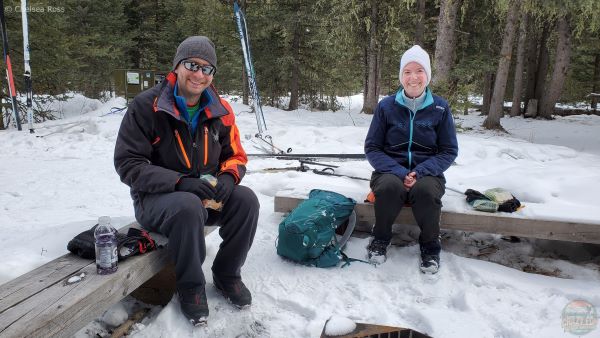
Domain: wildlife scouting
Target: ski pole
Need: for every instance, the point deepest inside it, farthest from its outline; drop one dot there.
(9, 73)
(28, 85)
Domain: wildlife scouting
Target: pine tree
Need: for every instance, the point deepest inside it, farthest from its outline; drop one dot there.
(97, 43)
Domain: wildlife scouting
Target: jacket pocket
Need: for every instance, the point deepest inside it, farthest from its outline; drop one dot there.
(182, 149)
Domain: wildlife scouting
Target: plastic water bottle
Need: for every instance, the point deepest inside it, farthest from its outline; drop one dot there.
(106, 246)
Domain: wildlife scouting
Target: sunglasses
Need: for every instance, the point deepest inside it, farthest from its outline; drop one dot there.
(194, 67)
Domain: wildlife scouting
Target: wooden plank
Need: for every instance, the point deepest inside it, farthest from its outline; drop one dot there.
(61, 310)
(499, 223)
(41, 304)
(37, 280)
(29, 284)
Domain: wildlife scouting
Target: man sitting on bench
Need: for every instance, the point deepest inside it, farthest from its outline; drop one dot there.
(410, 143)
(171, 135)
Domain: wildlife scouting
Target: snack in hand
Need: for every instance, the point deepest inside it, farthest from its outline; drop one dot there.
(211, 204)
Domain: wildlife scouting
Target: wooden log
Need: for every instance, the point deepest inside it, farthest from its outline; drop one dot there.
(497, 223)
(364, 330)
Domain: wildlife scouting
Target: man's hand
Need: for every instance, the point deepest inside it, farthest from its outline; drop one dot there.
(197, 186)
(225, 184)
(410, 180)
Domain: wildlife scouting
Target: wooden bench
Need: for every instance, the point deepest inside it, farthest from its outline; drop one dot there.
(41, 303)
(496, 223)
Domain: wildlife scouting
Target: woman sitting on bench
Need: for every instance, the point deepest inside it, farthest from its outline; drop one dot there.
(410, 143)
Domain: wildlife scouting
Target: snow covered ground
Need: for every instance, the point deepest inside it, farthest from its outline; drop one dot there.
(56, 182)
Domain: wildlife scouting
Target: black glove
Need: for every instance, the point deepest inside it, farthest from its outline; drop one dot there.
(511, 205)
(225, 184)
(473, 195)
(197, 186)
(137, 241)
(84, 244)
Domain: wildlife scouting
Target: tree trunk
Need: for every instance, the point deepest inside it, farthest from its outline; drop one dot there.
(444, 44)
(366, 70)
(532, 107)
(530, 73)
(379, 68)
(596, 82)
(543, 60)
(518, 83)
(420, 25)
(488, 87)
(497, 104)
(559, 71)
(371, 97)
(294, 82)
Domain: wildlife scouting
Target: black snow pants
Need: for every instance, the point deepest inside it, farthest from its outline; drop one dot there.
(425, 198)
(181, 217)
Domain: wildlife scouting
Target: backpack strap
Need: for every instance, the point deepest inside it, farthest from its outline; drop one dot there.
(347, 260)
(340, 244)
(349, 230)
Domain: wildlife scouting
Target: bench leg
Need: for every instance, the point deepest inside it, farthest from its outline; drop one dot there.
(159, 289)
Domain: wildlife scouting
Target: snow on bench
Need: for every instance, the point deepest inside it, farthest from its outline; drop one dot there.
(42, 303)
(520, 224)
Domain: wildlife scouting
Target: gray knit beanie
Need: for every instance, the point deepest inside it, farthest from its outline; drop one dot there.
(196, 47)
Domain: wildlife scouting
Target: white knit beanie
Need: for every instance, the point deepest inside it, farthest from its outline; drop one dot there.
(418, 55)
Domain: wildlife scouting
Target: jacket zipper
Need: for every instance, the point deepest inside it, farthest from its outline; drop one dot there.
(194, 147)
(185, 156)
(410, 138)
(205, 145)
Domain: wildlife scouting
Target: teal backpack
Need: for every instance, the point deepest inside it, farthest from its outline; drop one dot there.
(307, 234)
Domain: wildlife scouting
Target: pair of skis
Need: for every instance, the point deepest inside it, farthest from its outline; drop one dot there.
(9, 73)
(340, 157)
(262, 140)
(327, 171)
(307, 160)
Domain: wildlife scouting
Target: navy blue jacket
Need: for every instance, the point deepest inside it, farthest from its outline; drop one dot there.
(400, 141)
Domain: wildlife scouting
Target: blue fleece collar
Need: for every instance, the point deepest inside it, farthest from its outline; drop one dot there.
(205, 101)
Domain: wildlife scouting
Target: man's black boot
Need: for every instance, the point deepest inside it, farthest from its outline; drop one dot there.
(194, 305)
(234, 290)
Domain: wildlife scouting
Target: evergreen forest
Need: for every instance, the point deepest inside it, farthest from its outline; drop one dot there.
(534, 53)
